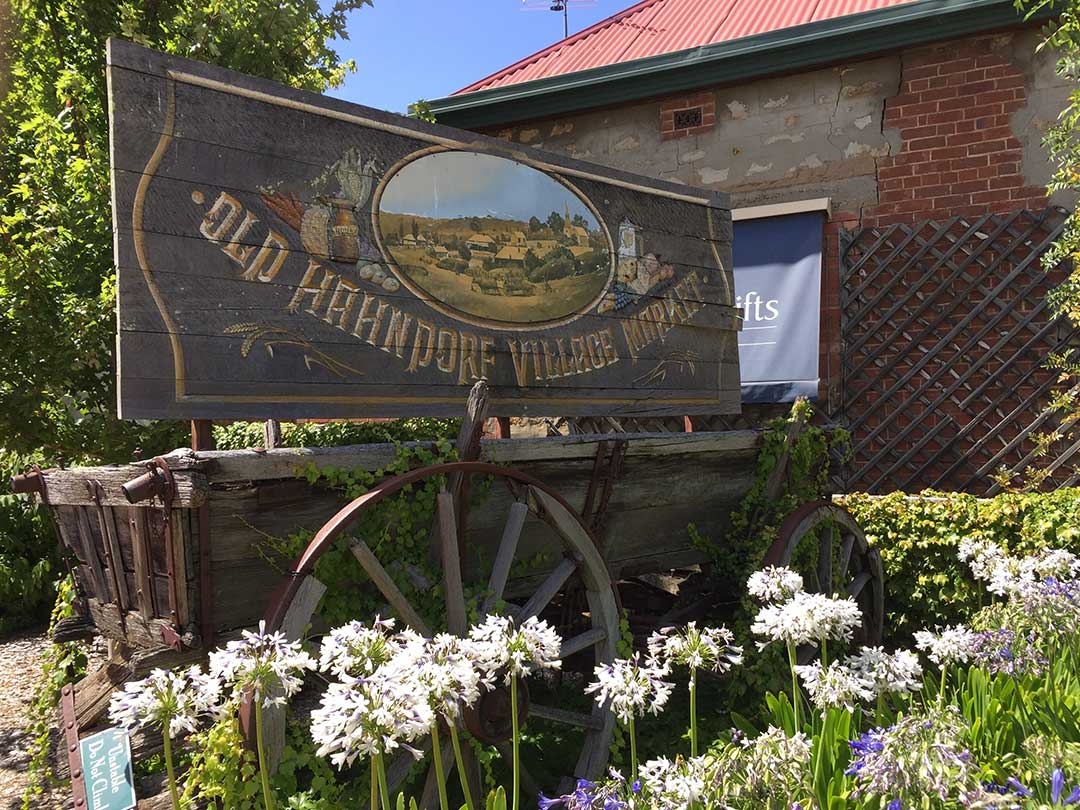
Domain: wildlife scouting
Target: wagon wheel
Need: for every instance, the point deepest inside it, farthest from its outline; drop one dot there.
(574, 593)
(823, 542)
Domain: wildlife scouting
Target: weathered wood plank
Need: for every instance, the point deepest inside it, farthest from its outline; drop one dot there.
(69, 486)
(228, 466)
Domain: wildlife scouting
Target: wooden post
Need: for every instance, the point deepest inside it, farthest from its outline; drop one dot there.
(202, 434)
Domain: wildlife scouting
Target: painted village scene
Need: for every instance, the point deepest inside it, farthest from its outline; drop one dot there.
(493, 238)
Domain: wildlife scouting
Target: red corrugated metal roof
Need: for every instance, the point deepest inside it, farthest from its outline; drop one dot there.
(655, 27)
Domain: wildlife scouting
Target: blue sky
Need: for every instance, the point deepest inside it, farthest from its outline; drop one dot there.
(455, 184)
(410, 49)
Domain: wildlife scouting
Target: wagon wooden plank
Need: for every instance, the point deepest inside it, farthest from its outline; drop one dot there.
(144, 585)
(69, 486)
(89, 548)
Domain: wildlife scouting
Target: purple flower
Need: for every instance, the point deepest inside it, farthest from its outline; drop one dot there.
(544, 803)
(894, 805)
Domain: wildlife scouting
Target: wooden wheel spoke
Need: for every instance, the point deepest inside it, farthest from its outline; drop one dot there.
(855, 587)
(578, 719)
(387, 587)
(845, 552)
(548, 588)
(825, 569)
(583, 641)
(456, 619)
(504, 557)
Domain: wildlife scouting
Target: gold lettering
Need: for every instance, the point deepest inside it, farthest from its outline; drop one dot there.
(446, 350)
(577, 346)
(635, 340)
(274, 245)
(235, 249)
(307, 288)
(596, 355)
(220, 218)
(487, 356)
(397, 333)
(424, 349)
(607, 340)
(365, 317)
(520, 359)
(551, 366)
(341, 303)
(469, 356)
(564, 359)
(377, 325)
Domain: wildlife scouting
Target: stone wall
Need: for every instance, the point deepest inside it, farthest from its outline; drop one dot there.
(961, 113)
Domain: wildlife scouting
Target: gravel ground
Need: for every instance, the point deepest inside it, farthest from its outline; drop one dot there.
(20, 669)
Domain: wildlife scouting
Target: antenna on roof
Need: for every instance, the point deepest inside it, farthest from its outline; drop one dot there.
(562, 6)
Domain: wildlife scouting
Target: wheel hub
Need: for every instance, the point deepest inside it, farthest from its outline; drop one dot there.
(490, 719)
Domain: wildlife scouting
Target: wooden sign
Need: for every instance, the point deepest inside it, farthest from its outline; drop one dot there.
(106, 760)
(283, 254)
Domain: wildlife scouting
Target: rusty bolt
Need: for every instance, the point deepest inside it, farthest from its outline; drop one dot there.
(76, 775)
(72, 747)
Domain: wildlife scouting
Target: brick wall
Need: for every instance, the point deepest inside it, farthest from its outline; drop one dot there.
(959, 153)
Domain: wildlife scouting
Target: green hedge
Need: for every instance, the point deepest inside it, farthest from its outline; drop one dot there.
(926, 584)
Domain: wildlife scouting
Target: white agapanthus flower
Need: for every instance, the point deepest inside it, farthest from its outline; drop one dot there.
(675, 785)
(705, 648)
(774, 584)
(167, 701)
(630, 688)
(500, 648)
(358, 649)
(899, 672)
(834, 686)
(951, 645)
(361, 717)
(807, 617)
(446, 676)
(1005, 575)
(268, 664)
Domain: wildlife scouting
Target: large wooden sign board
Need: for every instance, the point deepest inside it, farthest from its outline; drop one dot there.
(282, 254)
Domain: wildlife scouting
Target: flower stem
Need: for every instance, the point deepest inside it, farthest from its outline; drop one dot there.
(633, 750)
(693, 712)
(795, 696)
(824, 653)
(461, 767)
(514, 724)
(264, 772)
(440, 774)
(383, 789)
(374, 804)
(170, 771)
(941, 689)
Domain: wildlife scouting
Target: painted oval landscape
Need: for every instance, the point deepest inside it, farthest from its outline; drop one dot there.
(493, 239)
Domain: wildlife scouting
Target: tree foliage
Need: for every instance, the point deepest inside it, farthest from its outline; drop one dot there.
(57, 285)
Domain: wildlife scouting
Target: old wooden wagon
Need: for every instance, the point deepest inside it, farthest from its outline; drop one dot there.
(224, 250)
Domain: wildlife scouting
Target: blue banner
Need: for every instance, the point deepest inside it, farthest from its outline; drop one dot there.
(778, 286)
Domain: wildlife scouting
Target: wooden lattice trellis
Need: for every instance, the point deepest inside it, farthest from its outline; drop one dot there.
(946, 328)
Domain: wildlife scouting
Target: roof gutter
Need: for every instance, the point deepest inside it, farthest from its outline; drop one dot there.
(784, 51)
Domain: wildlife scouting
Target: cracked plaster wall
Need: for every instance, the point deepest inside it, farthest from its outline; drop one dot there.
(815, 134)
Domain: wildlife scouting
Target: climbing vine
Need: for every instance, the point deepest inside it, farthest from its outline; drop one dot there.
(61, 664)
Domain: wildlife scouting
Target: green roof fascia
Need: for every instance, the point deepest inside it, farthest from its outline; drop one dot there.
(784, 51)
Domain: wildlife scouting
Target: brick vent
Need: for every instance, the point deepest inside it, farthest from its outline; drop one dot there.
(687, 115)
(959, 154)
